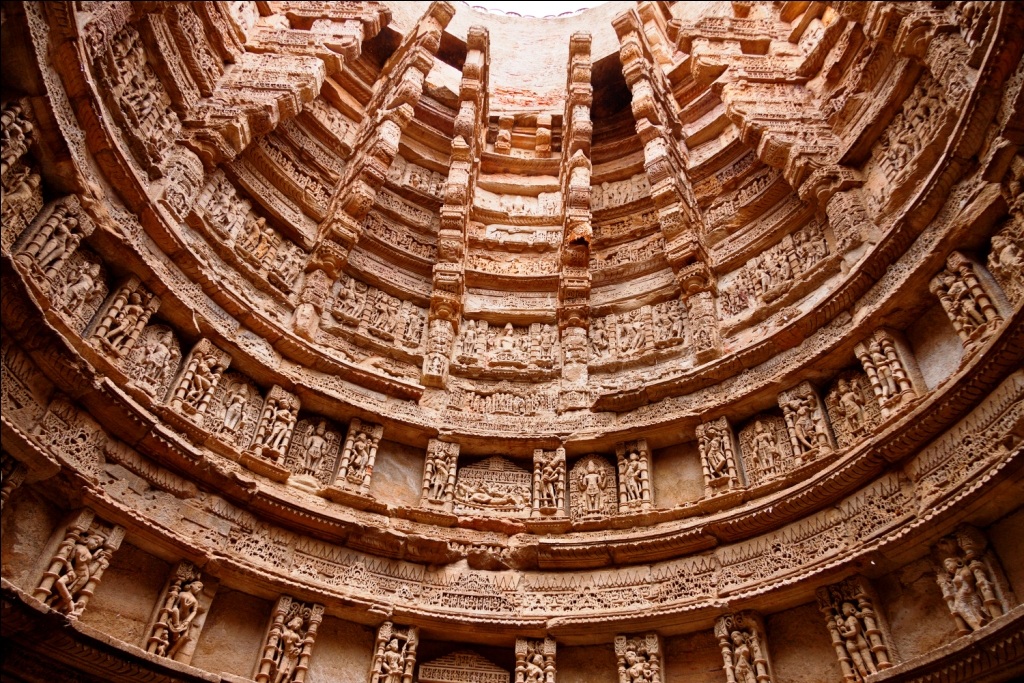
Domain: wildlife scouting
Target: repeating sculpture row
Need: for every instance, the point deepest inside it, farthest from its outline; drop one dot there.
(969, 575)
(593, 489)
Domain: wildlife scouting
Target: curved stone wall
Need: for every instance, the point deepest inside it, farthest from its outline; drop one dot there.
(401, 342)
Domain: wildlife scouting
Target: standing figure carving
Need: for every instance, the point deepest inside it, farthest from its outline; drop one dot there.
(639, 658)
(394, 654)
(289, 642)
(593, 488)
(966, 300)
(741, 638)
(971, 579)
(634, 469)
(860, 635)
(77, 566)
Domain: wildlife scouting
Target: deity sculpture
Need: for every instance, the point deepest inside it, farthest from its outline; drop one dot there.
(181, 608)
(78, 565)
(971, 579)
(315, 445)
(859, 634)
(851, 403)
(82, 286)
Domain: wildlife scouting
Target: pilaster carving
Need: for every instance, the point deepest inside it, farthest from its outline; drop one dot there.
(446, 299)
(274, 431)
(22, 195)
(358, 456)
(44, 250)
(659, 127)
(288, 644)
(744, 646)
(394, 655)
(636, 491)
(180, 614)
(439, 472)
(82, 555)
(195, 386)
(535, 660)
(810, 434)
(125, 313)
(860, 634)
(718, 460)
(891, 369)
(972, 579)
(548, 483)
(967, 301)
(641, 658)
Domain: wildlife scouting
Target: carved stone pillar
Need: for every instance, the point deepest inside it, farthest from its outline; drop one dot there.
(535, 660)
(718, 459)
(574, 277)
(288, 644)
(196, 383)
(971, 579)
(358, 456)
(439, 472)
(322, 270)
(125, 313)
(658, 126)
(386, 115)
(47, 245)
(860, 634)
(179, 615)
(548, 483)
(744, 646)
(967, 301)
(810, 434)
(640, 657)
(636, 491)
(892, 370)
(82, 553)
(394, 654)
(274, 430)
(449, 276)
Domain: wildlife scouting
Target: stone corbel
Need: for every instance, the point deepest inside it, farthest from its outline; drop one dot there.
(837, 189)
